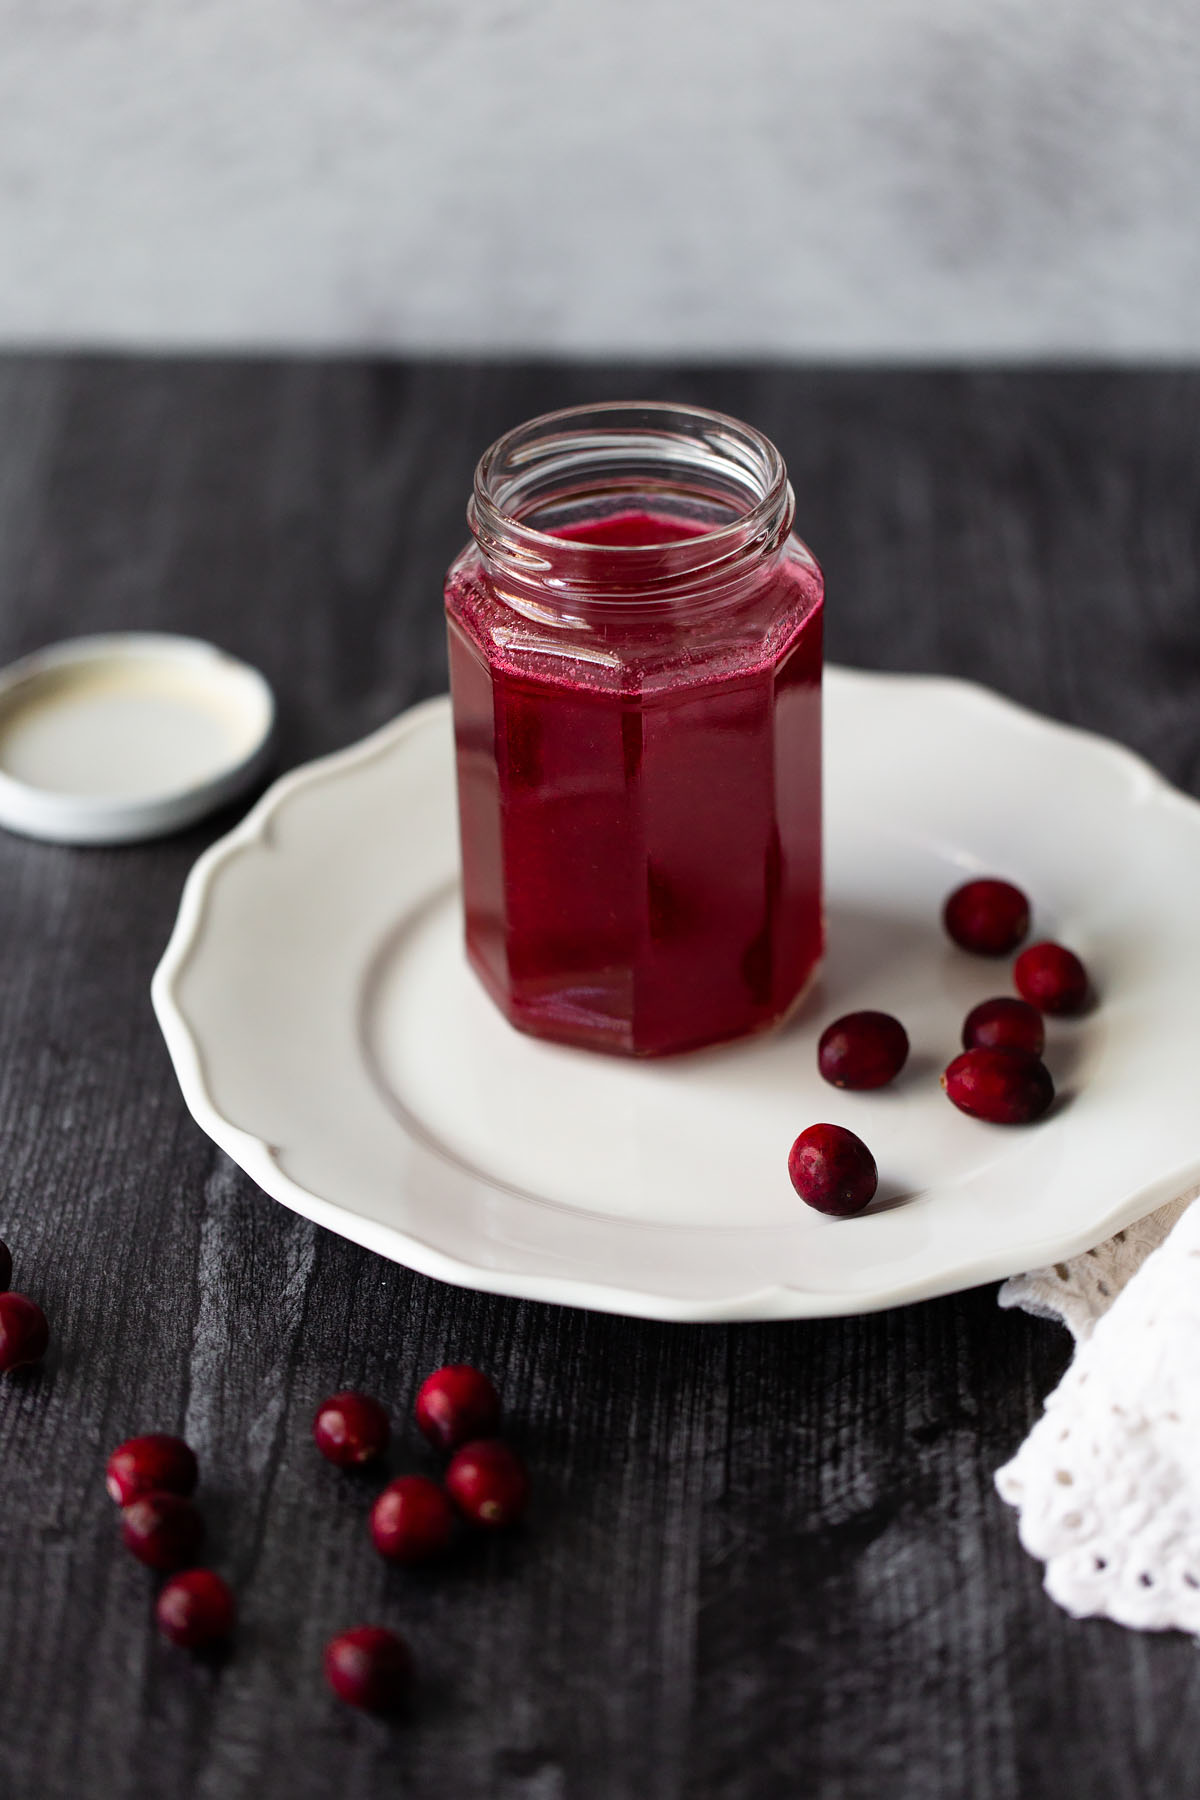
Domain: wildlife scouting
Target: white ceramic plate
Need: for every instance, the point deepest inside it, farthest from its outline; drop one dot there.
(328, 1034)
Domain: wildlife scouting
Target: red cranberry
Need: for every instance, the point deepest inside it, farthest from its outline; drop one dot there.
(1005, 1087)
(24, 1333)
(350, 1429)
(162, 1530)
(1004, 1024)
(1052, 978)
(862, 1050)
(488, 1483)
(5, 1265)
(412, 1520)
(832, 1170)
(196, 1609)
(154, 1464)
(456, 1404)
(369, 1667)
(989, 917)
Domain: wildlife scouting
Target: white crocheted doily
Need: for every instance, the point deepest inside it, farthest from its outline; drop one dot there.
(1108, 1481)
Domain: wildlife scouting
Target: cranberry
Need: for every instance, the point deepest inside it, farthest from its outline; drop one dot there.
(456, 1404)
(1004, 1024)
(162, 1530)
(24, 1333)
(412, 1520)
(862, 1050)
(154, 1464)
(350, 1429)
(488, 1483)
(832, 1170)
(5, 1265)
(988, 916)
(369, 1667)
(1052, 978)
(196, 1609)
(1006, 1087)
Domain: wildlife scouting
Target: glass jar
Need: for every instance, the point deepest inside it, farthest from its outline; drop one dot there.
(635, 663)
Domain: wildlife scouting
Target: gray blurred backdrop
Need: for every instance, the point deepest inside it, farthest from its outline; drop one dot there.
(893, 178)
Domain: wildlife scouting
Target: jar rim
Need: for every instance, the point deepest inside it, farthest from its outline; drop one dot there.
(773, 506)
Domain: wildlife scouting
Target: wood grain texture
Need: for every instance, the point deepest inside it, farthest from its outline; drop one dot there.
(764, 1560)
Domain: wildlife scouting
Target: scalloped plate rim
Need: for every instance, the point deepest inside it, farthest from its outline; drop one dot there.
(768, 1302)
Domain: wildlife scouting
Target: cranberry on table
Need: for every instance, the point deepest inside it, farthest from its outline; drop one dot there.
(351, 1429)
(832, 1170)
(1052, 977)
(369, 1667)
(162, 1530)
(987, 916)
(154, 1464)
(488, 1483)
(412, 1520)
(1005, 1087)
(1004, 1024)
(24, 1333)
(457, 1404)
(862, 1050)
(5, 1265)
(196, 1609)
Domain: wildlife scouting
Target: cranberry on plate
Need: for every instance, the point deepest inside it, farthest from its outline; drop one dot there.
(1052, 978)
(862, 1050)
(987, 916)
(832, 1170)
(1004, 1024)
(1005, 1087)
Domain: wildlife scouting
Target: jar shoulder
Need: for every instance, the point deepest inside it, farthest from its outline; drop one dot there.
(752, 631)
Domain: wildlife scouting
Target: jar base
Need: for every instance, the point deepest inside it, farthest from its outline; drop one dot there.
(577, 1030)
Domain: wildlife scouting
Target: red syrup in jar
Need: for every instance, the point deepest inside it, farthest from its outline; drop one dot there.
(641, 834)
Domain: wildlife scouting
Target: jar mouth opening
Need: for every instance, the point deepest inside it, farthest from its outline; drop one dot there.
(719, 476)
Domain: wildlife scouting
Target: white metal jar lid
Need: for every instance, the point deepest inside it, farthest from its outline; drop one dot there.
(105, 740)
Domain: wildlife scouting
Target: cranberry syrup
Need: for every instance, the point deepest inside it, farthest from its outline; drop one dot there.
(642, 843)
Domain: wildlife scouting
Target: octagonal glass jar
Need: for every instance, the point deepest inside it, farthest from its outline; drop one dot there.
(635, 663)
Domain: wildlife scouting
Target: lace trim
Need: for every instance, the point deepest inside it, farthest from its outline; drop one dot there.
(1079, 1292)
(1107, 1483)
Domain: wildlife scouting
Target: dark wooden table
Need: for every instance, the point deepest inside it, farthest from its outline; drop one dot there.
(764, 1560)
